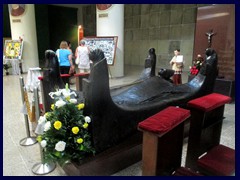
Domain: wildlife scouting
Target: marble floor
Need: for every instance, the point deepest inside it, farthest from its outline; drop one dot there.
(19, 160)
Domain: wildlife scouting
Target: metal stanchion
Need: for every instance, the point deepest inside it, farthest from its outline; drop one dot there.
(36, 100)
(41, 167)
(28, 140)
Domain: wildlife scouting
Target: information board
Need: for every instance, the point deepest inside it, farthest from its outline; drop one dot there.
(107, 44)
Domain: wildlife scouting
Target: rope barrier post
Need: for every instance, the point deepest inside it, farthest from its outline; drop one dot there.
(41, 168)
(28, 140)
(36, 100)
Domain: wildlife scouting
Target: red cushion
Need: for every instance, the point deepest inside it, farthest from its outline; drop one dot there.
(165, 120)
(65, 75)
(182, 171)
(209, 102)
(81, 74)
(220, 160)
(40, 78)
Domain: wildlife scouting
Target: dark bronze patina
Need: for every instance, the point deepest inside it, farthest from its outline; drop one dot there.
(115, 118)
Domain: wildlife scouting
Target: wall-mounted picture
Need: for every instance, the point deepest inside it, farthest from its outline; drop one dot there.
(107, 44)
(13, 49)
(16, 9)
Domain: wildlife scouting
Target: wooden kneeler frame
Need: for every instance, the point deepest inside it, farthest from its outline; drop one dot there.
(163, 141)
(205, 130)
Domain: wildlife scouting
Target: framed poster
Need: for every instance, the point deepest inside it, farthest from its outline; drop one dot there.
(13, 49)
(107, 44)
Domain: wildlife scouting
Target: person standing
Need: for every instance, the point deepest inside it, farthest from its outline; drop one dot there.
(82, 57)
(177, 66)
(72, 71)
(65, 59)
(69, 47)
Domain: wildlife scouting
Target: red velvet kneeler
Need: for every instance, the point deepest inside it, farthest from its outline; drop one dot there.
(220, 161)
(165, 120)
(209, 102)
(182, 171)
(205, 126)
(162, 141)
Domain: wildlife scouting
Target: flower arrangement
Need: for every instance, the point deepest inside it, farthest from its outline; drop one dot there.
(197, 64)
(13, 49)
(64, 131)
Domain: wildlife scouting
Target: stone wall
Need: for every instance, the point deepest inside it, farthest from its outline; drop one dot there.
(161, 26)
(89, 20)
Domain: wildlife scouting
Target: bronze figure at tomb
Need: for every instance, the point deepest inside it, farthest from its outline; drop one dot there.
(115, 117)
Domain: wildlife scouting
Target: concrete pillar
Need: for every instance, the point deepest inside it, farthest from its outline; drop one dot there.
(110, 22)
(24, 26)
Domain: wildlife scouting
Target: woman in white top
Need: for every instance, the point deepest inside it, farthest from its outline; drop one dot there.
(82, 57)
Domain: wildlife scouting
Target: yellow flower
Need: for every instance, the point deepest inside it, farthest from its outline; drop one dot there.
(16, 45)
(85, 125)
(39, 139)
(52, 106)
(57, 125)
(79, 140)
(75, 130)
(80, 106)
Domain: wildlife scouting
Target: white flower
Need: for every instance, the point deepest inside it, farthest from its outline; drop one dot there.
(57, 93)
(43, 143)
(60, 103)
(87, 119)
(42, 119)
(66, 93)
(47, 126)
(74, 101)
(60, 146)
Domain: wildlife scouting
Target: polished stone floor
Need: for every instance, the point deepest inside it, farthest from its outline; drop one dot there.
(19, 160)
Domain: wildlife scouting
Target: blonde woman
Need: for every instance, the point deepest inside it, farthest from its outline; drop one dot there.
(65, 59)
